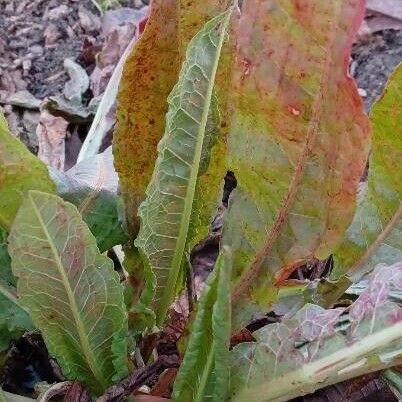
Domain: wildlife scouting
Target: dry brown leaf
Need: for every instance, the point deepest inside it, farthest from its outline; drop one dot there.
(52, 133)
(88, 21)
(119, 27)
(391, 8)
(379, 22)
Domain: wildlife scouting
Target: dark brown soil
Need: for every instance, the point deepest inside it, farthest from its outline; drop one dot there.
(26, 56)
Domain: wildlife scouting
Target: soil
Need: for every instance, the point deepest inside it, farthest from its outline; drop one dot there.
(27, 56)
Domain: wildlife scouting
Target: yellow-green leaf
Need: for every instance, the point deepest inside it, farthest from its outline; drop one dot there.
(20, 171)
(71, 291)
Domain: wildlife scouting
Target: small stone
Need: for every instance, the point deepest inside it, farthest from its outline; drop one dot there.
(362, 92)
(36, 50)
(26, 66)
(57, 13)
(24, 99)
(88, 21)
(51, 34)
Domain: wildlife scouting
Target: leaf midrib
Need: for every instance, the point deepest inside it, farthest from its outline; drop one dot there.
(377, 242)
(205, 374)
(86, 349)
(321, 369)
(189, 199)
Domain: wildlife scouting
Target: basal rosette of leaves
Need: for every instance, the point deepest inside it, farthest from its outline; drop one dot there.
(262, 91)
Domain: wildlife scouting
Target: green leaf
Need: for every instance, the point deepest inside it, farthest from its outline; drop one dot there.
(319, 347)
(376, 232)
(5, 261)
(14, 320)
(71, 290)
(92, 186)
(204, 374)
(20, 171)
(298, 141)
(184, 191)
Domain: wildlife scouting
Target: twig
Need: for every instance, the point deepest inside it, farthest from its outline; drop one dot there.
(77, 393)
(140, 377)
